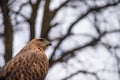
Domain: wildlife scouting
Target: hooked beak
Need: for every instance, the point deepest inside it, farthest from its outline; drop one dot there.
(49, 43)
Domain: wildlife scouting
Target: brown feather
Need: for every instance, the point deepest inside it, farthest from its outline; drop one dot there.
(30, 63)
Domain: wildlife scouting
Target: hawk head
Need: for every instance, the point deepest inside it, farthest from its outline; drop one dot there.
(41, 42)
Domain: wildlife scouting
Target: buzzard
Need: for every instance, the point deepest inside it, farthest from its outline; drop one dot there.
(30, 63)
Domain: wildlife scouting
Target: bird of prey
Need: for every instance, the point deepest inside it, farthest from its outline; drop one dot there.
(30, 63)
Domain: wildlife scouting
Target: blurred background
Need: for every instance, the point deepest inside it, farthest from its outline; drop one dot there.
(85, 35)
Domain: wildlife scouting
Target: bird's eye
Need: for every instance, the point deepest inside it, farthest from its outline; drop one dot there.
(42, 39)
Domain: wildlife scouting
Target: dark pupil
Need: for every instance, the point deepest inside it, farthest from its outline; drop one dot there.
(41, 39)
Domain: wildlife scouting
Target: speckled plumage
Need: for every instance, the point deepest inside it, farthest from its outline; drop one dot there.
(30, 63)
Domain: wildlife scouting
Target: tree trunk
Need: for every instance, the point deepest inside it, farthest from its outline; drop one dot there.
(32, 20)
(8, 32)
(46, 20)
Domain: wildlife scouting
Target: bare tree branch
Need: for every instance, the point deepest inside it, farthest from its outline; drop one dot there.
(57, 9)
(77, 20)
(8, 32)
(96, 23)
(46, 20)
(83, 72)
(33, 18)
(71, 53)
(112, 50)
(19, 12)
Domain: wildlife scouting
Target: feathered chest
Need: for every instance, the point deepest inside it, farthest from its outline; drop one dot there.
(27, 65)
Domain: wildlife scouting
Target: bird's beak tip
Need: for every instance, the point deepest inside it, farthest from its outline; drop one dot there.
(49, 44)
